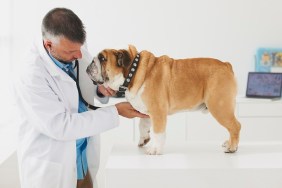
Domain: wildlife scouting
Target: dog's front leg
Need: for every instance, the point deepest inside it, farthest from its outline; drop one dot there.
(158, 136)
(144, 130)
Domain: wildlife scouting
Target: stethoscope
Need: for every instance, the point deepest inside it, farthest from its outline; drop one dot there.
(76, 79)
(92, 107)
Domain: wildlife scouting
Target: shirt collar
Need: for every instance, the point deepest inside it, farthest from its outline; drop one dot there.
(63, 66)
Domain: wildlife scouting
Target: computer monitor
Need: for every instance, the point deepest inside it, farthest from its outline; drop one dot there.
(264, 85)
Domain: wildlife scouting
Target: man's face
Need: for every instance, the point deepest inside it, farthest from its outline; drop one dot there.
(65, 50)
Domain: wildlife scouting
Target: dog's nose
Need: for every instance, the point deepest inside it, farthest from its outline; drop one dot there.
(92, 67)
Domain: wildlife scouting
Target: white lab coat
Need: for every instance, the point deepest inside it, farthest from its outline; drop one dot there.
(47, 101)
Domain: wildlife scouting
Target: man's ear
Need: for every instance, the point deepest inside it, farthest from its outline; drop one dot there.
(47, 44)
(123, 58)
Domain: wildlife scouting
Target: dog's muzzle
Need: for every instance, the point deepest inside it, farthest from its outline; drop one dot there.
(93, 71)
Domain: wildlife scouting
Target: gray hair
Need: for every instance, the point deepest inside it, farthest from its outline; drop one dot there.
(62, 22)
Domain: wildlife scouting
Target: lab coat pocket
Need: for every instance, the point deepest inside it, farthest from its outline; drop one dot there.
(42, 174)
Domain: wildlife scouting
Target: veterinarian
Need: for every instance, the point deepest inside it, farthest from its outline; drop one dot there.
(58, 135)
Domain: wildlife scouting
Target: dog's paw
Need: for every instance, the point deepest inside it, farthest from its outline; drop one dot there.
(143, 141)
(154, 150)
(227, 147)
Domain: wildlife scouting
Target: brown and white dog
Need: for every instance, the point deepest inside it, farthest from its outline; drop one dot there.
(162, 86)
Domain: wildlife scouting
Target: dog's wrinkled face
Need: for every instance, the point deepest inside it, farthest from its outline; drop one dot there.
(109, 68)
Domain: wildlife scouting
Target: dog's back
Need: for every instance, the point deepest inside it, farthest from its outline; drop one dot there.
(186, 83)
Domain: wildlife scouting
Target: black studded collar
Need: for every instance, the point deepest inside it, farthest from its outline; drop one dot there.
(130, 75)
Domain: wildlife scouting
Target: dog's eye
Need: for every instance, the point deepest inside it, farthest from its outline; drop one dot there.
(101, 58)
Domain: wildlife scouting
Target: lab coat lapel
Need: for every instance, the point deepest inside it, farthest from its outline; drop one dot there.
(65, 83)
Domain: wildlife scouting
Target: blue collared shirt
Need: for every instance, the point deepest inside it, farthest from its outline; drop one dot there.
(81, 144)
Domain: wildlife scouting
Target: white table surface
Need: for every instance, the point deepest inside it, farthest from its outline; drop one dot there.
(199, 165)
(208, 155)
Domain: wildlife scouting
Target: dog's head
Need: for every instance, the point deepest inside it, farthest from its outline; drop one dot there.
(111, 66)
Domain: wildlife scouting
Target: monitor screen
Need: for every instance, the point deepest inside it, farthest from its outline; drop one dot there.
(264, 85)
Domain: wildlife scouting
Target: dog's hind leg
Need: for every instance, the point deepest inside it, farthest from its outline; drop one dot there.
(144, 130)
(231, 145)
(223, 112)
(220, 100)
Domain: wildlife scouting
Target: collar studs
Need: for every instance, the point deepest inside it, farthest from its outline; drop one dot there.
(133, 68)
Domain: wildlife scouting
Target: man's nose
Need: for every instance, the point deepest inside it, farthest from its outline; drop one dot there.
(78, 55)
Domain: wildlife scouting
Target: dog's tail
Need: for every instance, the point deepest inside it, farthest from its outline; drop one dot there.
(229, 67)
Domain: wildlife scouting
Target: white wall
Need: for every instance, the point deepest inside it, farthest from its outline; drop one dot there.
(227, 30)
(5, 63)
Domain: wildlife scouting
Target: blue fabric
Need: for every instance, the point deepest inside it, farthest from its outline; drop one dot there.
(81, 144)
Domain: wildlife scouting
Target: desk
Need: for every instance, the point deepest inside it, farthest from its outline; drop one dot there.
(196, 165)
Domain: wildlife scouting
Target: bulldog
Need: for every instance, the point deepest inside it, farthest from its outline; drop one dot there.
(160, 86)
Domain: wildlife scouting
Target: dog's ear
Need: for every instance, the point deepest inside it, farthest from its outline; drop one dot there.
(132, 50)
(123, 58)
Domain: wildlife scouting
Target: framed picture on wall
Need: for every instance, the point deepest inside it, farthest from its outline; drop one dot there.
(269, 60)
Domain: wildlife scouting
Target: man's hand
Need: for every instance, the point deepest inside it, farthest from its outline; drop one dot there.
(106, 91)
(126, 110)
